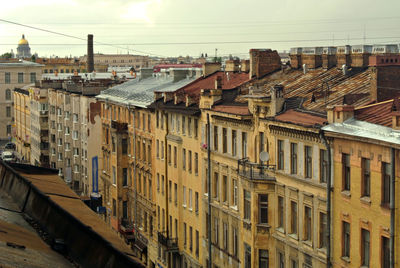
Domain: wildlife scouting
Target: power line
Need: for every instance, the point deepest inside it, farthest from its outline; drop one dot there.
(75, 37)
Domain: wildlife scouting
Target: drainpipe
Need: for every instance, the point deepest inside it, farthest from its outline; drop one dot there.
(166, 182)
(392, 208)
(209, 190)
(328, 201)
(134, 172)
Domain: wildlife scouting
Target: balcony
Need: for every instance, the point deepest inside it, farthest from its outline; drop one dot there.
(170, 243)
(255, 171)
(118, 126)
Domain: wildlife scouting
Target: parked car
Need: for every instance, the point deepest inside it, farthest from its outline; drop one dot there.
(10, 146)
(8, 156)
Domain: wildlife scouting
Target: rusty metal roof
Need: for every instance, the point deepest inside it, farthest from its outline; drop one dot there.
(301, 118)
(377, 113)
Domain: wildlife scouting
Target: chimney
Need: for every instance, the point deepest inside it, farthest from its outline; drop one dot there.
(339, 113)
(263, 61)
(146, 73)
(295, 57)
(277, 99)
(343, 56)
(328, 57)
(90, 56)
(218, 82)
(385, 74)
(244, 66)
(210, 68)
(360, 55)
(312, 57)
(178, 74)
(396, 114)
(232, 65)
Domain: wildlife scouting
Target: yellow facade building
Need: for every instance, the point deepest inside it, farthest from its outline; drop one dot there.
(22, 111)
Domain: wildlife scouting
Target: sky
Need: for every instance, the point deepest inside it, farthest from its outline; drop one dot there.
(191, 27)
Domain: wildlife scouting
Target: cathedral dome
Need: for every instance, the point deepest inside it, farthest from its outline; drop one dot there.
(23, 41)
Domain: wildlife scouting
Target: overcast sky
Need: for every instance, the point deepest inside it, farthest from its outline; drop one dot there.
(192, 27)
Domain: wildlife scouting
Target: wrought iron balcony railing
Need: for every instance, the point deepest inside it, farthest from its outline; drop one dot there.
(255, 171)
(170, 243)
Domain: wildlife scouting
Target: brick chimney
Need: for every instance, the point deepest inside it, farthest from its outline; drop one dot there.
(90, 56)
(343, 56)
(312, 57)
(232, 65)
(385, 73)
(295, 57)
(210, 68)
(263, 61)
(328, 57)
(360, 55)
(244, 66)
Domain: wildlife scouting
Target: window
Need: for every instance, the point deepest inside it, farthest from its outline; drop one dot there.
(184, 196)
(114, 175)
(281, 212)
(20, 78)
(196, 122)
(365, 247)
(224, 141)
(67, 132)
(215, 138)
(67, 146)
(247, 256)
(280, 155)
(234, 142)
(196, 163)
(75, 135)
(234, 192)
(162, 184)
(184, 234)
(261, 141)
(216, 185)
(293, 158)
(157, 149)
(323, 239)
(33, 77)
(184, 159)
(8, 94)
(148, 123)
(307, 261)
(346, 239)
(307, 224)
(190, 238)
(263, 258)
(150, 189)
(175, 155)
(190, 126)
(170, 190)
(386, 177)
(216, 229)
(124, 177)
(183, 125)
(169, 154)
(235, 244)
(346, 172)
(8, 111)
(196, 202)
(162, 150)
(176, 193)
(308, 161)
(293, 263)
(124, 146)
(263, 208)
(293, 217)
(281, 260)
(190, 161)
(225, 235)
(114, 208)
(7, 78)
(385, 252)
(59, 142)
(190, 198)
(224, 188)
(60, 157)
(244, 144)
(323, 162)
(197, 243)
(365, 173)
(247, 204)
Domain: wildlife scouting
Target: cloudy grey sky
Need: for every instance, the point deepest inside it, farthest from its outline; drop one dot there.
(191, 27)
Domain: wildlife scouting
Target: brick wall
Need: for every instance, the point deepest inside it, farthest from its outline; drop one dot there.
(263, 61)
(343, 59)
(295, 61)
(312, 61)
(328, 61)
(385, 82)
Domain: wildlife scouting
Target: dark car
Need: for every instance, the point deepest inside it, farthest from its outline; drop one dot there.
(10, 146)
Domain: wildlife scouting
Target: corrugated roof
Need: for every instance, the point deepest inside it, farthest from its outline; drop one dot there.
(377, 113)
(362, 129)
(300, 118)
(140, 92)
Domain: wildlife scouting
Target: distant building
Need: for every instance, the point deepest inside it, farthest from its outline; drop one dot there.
(119, 60)
(23, 49)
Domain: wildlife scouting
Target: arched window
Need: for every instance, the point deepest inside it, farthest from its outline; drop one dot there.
(8, 94)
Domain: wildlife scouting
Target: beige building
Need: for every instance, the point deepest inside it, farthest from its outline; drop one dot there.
(119, 60)
(22, 112)
(14, 74)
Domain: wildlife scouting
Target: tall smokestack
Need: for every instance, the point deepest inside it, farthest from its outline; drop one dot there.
(90, 57)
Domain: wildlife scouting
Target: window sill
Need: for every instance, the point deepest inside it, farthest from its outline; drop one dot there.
(234, 208)
(308, 243)
(346, 193)
(366, 200)
(346, 259)
(322, 250)
(294, 236)
(280, 230)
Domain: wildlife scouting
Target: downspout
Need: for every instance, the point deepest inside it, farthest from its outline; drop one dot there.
(328, 201)
(134, 171)
(392, 208)
(166, 183)
(209, 190)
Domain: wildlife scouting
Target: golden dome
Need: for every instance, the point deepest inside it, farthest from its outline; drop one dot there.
(23, 41)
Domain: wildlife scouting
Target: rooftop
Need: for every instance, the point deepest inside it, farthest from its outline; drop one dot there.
(301, 118)
(377, 113)
(19, 63)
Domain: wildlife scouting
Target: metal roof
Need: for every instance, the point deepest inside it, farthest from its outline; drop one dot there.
(23, 63)
(361, 129)
(140, 92)
(90, 76)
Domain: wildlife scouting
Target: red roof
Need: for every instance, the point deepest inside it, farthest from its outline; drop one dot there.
(377, 113)
(232, 109)
(229, 80)
(300, 118)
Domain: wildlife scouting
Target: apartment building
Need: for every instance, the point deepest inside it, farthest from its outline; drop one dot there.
(365, 142)
(119, 60)
(15, 74)
(129, 166)
(22, 112)
(67, 66)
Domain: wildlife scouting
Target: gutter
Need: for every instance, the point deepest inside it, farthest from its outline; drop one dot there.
(328, 202)
(392, 208)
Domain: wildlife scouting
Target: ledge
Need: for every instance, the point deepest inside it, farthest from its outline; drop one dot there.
(365, 200)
